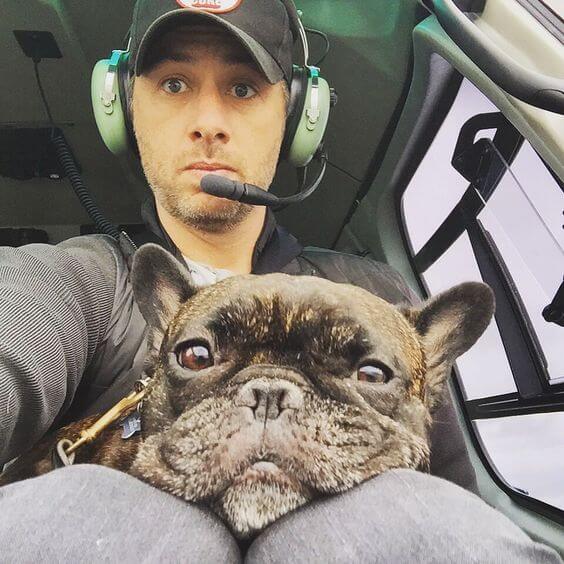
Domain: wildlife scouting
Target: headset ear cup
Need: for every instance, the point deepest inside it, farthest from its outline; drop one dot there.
(309, 129)
(298, 89)
(126, 95)
(109, 107)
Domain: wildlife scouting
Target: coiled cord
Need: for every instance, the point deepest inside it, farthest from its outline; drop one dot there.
(71, 171)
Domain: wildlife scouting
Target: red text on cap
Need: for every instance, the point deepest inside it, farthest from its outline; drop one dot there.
(215, 6)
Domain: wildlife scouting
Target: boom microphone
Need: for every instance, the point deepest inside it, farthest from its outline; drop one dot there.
(223, 187)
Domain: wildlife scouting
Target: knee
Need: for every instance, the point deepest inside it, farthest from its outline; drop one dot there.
(87, 484)
(81, 478)
(93, 512)
(401, 515)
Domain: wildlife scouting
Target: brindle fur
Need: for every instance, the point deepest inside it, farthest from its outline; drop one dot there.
(294, 344)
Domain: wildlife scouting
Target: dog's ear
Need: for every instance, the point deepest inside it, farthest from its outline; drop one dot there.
(161, 284)
(449, 324)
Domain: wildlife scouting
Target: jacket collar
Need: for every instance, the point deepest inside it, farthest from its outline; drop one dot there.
(274, 249)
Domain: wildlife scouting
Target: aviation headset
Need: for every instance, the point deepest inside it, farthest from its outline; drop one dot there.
(310, 101)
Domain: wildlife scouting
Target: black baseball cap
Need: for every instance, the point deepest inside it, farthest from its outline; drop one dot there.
(266, 28)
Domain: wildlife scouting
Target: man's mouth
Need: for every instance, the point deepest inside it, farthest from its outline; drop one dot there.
(203, 168)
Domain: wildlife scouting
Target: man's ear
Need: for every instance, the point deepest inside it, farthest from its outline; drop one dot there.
(449, 324)
(161, 284)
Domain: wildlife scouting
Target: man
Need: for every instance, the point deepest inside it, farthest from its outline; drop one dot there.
(201, 101)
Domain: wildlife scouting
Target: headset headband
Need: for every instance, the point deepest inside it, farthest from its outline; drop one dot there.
(309, 94)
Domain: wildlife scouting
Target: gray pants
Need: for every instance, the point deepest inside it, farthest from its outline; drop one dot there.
(89, 513)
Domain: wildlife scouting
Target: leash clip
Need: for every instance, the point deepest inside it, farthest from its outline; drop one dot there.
(64, 452)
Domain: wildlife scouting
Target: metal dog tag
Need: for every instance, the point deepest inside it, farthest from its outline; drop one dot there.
(131, 425)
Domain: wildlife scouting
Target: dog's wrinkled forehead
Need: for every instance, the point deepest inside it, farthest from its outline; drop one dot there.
(298, 311)
(274, 319)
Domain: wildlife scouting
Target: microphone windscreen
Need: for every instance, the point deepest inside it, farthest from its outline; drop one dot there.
(218, 185)
(223, 187)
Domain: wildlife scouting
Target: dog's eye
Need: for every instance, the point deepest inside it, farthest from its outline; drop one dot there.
(374, 373)
(194, 356)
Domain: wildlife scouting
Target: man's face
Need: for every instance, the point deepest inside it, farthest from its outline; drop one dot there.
(201, 106)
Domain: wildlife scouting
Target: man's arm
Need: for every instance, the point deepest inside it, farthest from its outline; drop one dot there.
(55, 306)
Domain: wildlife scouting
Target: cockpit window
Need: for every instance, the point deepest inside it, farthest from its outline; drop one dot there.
(495, 214)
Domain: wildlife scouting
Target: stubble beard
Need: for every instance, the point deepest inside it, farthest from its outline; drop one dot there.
(220, 219)
(178, 201)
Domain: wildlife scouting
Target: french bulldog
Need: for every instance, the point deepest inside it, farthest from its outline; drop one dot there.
(266, 392)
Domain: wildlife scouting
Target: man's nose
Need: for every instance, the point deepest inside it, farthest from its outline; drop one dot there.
(209, 118)
(268, 399)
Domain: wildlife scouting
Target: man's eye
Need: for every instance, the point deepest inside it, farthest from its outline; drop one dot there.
(243, 90)
(174, 85)
(194, 356)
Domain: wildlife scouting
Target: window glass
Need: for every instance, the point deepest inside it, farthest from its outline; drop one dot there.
(435, 179)
(527, 451)
(523, 217)
(484, 369)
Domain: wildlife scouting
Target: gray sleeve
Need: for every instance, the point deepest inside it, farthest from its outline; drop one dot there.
(55, 306)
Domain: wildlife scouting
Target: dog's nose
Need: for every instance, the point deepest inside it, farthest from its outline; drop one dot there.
(268, 399)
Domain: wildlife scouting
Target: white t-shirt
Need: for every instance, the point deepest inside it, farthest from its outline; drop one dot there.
(204, 275)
